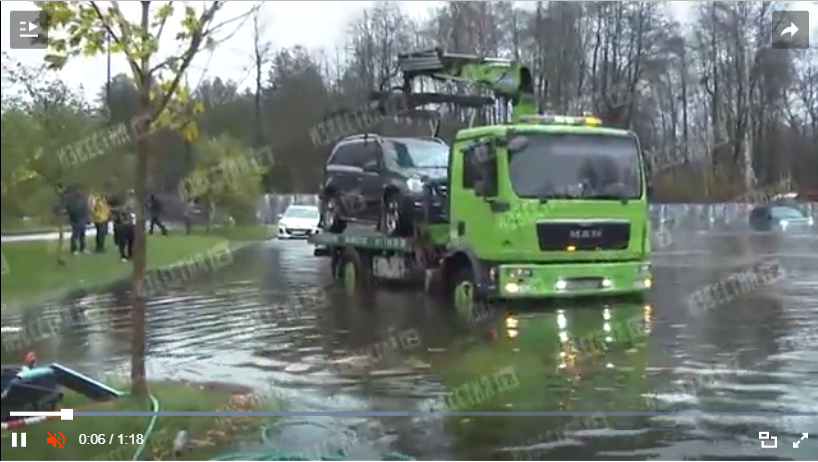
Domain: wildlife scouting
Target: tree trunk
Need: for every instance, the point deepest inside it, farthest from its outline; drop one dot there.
(139, 387)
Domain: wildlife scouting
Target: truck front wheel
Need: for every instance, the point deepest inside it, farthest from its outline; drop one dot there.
(463, 291)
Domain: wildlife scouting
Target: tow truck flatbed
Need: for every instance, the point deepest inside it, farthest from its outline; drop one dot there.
(362, 238)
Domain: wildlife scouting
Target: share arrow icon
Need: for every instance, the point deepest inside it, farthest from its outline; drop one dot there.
(803, 437)
(792, 29)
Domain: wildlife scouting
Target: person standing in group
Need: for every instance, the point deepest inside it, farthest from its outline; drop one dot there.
(124, 217)
(100, 212)
(189, 214)
(155, 209)
(76, 207)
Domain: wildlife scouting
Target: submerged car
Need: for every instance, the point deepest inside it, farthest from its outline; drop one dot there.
(780, 217)
(298, 221)
(378, 179)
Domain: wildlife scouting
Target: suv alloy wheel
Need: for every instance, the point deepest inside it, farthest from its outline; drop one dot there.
(392, 221)
(330, 215)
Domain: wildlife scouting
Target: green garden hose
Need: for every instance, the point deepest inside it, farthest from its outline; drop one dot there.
(268, 454)
(140, 450)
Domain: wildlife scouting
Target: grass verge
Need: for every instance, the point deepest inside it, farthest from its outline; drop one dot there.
(31, 268)
(207, 436)
(26, 226)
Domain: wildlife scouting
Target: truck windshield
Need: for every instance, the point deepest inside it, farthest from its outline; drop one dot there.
(577, 166)
(411, 153)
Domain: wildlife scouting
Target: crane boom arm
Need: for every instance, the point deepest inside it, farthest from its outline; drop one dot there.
(508, 80)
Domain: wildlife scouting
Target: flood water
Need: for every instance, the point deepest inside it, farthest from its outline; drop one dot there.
(268, 322)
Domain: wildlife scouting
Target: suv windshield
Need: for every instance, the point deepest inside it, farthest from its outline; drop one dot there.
(301, 212)
(409, 153)
(576, 166)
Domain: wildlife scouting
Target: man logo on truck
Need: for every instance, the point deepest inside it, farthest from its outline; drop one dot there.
(586, 234)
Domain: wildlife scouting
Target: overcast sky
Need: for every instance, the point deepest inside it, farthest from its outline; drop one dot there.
(314, 24)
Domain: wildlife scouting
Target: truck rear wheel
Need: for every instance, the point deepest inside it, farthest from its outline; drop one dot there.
(354, 271)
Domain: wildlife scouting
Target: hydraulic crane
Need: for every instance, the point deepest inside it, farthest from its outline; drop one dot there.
(510, 82)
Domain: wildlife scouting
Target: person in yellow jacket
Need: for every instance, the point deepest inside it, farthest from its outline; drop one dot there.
(100, 214)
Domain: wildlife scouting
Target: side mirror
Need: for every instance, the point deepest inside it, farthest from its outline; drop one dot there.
(649, 189)
(280, 216)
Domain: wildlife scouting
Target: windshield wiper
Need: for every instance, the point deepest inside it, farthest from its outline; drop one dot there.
(620, 197)
(545, 199)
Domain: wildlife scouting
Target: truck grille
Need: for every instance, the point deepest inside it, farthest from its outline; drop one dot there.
(601, 235)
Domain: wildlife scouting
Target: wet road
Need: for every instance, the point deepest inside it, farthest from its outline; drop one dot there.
(266, 322)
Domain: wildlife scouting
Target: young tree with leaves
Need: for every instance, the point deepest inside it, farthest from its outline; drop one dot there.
(58, 112)
(82, 29)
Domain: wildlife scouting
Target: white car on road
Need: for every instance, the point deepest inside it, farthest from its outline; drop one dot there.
(298, 221)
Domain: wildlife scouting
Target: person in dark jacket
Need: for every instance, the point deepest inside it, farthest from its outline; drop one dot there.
(155, 209)
(123, 214)
(76, 207)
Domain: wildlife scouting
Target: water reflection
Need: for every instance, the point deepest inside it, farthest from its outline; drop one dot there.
(590, 359)
(271, 321)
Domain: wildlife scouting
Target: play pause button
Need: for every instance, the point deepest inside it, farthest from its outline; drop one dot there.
(22, 437)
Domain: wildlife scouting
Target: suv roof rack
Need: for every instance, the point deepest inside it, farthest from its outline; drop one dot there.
(361, 136)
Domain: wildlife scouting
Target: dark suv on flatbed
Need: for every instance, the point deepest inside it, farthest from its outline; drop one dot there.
(384, 180)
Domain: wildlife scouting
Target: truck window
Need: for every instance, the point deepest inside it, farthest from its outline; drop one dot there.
(471, 169)
(580, 166)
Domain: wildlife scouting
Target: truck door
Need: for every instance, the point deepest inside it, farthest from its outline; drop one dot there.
(470, 206)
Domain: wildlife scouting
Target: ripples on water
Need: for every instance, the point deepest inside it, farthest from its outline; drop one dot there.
(755, 353)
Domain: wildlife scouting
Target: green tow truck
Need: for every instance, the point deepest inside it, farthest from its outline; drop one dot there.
(533, 206)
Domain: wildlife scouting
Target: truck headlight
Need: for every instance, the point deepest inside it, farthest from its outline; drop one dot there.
(512, 288)
(414, 185)
(643, 269)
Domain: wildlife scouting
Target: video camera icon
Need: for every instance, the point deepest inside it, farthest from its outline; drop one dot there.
(766, 436)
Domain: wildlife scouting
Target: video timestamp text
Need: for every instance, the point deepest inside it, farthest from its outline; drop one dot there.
(112, 438)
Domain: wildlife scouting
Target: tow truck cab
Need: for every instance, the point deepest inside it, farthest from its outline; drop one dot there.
(550, 206)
